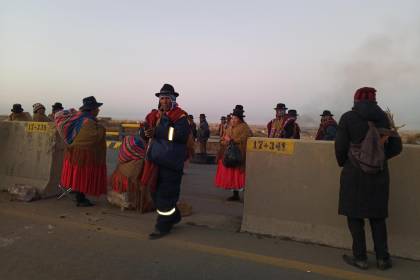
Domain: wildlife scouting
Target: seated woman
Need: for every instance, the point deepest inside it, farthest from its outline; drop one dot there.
(233, 178)
(127, 175)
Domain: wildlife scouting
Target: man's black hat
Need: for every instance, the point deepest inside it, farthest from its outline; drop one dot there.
(292, 113)
(223, 118)
(238, 111)
(326, 113)
(191, 116)
(90, 103)
(167, 89)
(57, 106)
(280, 106)
(17, 108)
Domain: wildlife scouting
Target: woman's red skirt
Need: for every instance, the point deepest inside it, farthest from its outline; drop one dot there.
(88, 179)
(229, 178)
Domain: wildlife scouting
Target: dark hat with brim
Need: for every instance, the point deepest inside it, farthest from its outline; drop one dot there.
(280, 106)
(292, 113)
(202, 115)
(90, 103)
(238, 111)
(17, 108)
(167, 89)
(57, 106)
(191, 116)
(223, 118)
(326, 113)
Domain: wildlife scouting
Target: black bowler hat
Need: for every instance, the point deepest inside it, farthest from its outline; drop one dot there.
(167, 89)
(17, 108)
(90, 103)
(191, 116)
(280, 106)
(202, 115)
(292, 113)
(223, 118)
(238, 111)
(57, 106)
(326, 113)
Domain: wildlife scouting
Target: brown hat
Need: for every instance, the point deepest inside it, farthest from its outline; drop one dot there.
(38, 106)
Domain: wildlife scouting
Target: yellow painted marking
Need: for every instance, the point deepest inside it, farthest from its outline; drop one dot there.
(219, 251)
(42, 127)
(271, 145)
(108, 143)
(113, 144)
(112, 133)
(131, 125)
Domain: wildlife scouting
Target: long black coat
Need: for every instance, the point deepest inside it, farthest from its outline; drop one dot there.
(363, 195)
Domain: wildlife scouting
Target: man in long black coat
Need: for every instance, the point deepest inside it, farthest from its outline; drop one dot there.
(363, 195)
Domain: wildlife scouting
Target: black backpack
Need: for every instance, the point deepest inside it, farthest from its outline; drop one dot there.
(369, 155)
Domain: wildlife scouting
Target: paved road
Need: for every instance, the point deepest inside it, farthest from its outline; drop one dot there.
(53, 239)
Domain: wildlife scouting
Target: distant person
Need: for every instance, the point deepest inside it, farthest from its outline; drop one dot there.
(222, 126)
(39, 113)
(19, 115)
(56, 107)
(203, 134)
(233, 177)
(291, 129)
(84, 166)
(364, 191)
(276, 126)
(193, 126)
(228, 119)
(168, 131)
(328, 128)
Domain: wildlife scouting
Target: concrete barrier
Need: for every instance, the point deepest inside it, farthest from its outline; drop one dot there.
(292, 192)
(31, 153)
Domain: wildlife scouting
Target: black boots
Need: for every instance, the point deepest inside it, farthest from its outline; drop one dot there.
(234, 197)
(82, 201)
(360, 264)
(384, 264)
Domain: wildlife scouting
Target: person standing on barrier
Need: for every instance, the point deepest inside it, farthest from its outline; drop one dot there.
(84, 166)
(365, 142)
(168, 131)
(229, 175)
(275, 128)
(328, 127)
(19, 115)
(39, 113)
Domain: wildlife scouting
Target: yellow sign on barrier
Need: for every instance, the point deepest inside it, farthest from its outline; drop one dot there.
(42, 127)
(271, 145)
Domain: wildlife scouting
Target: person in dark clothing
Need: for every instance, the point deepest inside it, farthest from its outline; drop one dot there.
(291, 129)
(193, 126)
(328, 127)
(363, 195)
(169, 131)
(203, 134)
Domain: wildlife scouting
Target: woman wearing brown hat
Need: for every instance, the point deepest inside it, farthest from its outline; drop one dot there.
(18, 114)
(233, 178)
(84, 166)
(39, 113)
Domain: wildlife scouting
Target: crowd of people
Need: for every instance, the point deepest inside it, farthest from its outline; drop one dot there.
(150, 165)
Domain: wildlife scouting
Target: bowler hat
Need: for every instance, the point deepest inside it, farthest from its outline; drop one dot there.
(167, 89)
(292, 113)
(202, 115)
(238, 111)
(57, 106)
(280, 106)
(326, 113)
(90, 103)
(17, 108)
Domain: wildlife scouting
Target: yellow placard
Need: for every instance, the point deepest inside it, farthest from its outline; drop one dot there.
(42, 127)
(271, 145)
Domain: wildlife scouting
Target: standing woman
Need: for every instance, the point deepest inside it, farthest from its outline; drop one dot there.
(233, 178)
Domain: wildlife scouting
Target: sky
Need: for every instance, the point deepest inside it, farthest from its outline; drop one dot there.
(311, 55)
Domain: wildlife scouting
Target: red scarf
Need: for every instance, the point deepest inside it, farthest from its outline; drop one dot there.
(150, 170)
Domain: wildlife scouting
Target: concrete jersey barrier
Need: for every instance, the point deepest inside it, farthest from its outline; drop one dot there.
(292, 190)
(31, 153)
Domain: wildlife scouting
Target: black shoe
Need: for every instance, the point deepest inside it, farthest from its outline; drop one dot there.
(384, 264)
(360, 264)
(233, 198)
(84, 203)
(157, 234)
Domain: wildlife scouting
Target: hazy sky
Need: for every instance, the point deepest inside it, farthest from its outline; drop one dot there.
(311, 55)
